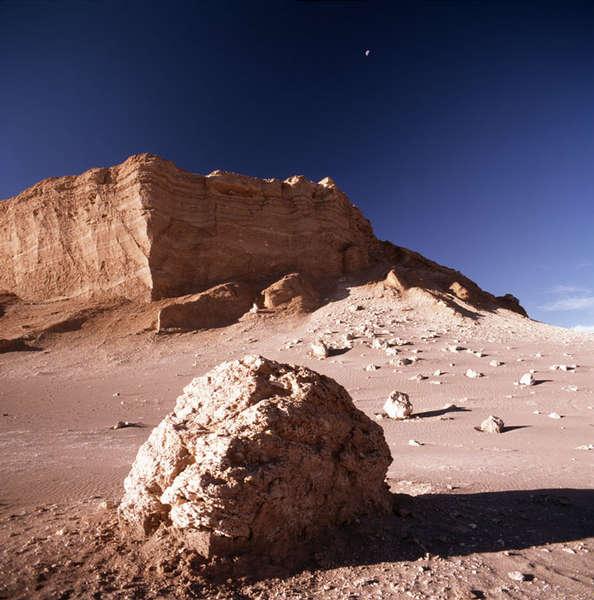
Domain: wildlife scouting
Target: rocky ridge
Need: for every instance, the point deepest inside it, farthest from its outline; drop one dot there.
(197, 251)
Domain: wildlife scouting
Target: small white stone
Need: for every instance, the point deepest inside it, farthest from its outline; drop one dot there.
(414, 443)
(319, 349)
(417, 377)
(495, 363)
(473, 374)
(371, 367)
(398, 405)
(454, 348)
(554, 415)
(492, 425)
(527, 379)
(517, 576)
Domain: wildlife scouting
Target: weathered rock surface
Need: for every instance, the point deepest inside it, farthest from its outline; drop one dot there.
(398, 405)
(527, 379)
(492, 424)
(148, 230)
(421, 279)
(257, 456)
(293, 290)
(216, 307)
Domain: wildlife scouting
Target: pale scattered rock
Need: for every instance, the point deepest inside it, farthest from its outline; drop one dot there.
(319, 349)
(371, 367)
(527, 379)
(398, 405)
(257, 457)
(586, 447)
(455, 348)
(517, 576)
(105, 505)
(417, 377)
(492, 424)
(554, 415)
(414, 443)
(562, 367)
(124, 424)
(473, 374)
(401, 362)
(438, 372)
(495, 363)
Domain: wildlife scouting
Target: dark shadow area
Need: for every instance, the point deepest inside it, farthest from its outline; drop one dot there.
(439, 412)
(505, 429)
(445, 525)
(514, 427)
(541, 381)
(17, 345)
(454, 524)
(337, 351)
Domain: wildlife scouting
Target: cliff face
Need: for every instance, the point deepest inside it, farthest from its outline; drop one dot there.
(147, 230)
(77, 236)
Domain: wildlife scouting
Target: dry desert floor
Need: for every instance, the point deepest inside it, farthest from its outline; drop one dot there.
(477, 515)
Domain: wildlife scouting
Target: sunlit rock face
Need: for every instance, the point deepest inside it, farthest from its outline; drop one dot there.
(147, 230)
(260, 457)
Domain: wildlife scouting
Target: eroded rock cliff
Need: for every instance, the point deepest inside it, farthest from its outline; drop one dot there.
(148, 230)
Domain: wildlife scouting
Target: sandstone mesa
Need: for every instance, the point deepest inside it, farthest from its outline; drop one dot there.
(204, 249)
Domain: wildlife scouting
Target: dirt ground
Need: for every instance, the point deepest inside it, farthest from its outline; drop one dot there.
(476, 515)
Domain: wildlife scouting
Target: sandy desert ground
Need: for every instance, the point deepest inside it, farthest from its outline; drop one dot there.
(477, 515)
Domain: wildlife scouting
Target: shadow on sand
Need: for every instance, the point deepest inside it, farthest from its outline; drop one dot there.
(456, 524)
(444, 525)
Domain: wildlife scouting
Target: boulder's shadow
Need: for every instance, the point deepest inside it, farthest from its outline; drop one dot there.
(456, 524)
(445, 525)
(440, 412)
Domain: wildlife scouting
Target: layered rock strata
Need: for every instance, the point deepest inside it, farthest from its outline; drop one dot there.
(148, 230)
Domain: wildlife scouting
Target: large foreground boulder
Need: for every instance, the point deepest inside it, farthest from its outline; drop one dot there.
(258, 457)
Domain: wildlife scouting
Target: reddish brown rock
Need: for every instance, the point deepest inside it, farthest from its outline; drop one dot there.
(216, 307)
(293, 289)
(257, 457)
(148, 230)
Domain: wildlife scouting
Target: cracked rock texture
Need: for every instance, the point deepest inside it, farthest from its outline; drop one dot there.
(260, 457)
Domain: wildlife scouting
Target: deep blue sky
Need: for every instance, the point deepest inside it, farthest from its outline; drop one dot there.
(467, 134)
